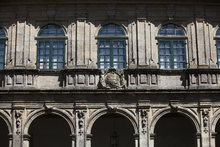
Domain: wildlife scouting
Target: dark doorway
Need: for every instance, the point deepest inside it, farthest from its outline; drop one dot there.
(50, 131)
(113, 130)
(217, 130)
(4, 140)
(175, 130)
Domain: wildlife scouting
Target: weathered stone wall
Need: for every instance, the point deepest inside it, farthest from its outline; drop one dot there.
(80, 94)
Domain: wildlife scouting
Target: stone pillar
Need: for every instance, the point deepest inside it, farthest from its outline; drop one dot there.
(142, 42)
(89, 140)
(73, 137)
(10, 139)
(17, 126)
(213, 137)
(151, 142)
(80, 127)
(136, 140)
(80, 42)
(143, 109)
(26, 140)
(205, 124)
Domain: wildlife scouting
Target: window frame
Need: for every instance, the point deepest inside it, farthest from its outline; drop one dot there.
(172, 54)
(3, 39)
(112, 38)
(51, 39)
(171, 39)
(111, 55)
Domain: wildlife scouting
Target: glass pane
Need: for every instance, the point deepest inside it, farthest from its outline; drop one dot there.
(171, 30)
(102, 66)
(167, 65)
(121, 65)
(101, 52)
(111, 30)
(162, 58)
(2, 33)
(162, 65)
(107, 65)
(175, 65)
(121, 51)
(121, 59)
(101, 58)
(115, 58)
(115, 51)
(51, 30)
(107, 51)
(107, 58)
(115, 65)
(55, 59)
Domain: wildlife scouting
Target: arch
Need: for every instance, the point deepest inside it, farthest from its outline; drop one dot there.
(217, 34)
(34, 115)
(100, 26)
(95, 116)
(2, 32)
(4, 116)
(160, 113)
(51, 29)
(214, 120)
(171, 25)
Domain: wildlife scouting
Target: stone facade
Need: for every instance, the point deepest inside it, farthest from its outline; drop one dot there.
(81, 93)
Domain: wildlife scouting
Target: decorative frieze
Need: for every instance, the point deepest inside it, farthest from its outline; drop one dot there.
(200, 77)
(19, 78)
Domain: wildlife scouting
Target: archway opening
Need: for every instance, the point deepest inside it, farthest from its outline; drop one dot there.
(4, 140)
(50, 131)
(217, 137)
(174, 130)
(113, 130)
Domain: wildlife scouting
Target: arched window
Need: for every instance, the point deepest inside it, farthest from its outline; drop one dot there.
(2, 48)
(171, 47)
(51, 47)
(218, 46)
(111, 47)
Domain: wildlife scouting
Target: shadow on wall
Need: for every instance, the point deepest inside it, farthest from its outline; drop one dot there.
(113, 130)
(50, 131)
(174, 130)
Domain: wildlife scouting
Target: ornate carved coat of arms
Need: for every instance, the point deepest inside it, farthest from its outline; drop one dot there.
(111, 79)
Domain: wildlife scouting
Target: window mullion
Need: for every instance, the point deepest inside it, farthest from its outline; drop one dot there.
(111, 53)
(50, 54)
(172, 55)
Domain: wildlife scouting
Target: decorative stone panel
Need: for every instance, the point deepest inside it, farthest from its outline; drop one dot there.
(203, 77)
(141, 78)
(17, 78)
(81, 78)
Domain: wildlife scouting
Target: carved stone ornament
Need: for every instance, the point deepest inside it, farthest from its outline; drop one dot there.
(144, 120)
(205, 115)
(112, 79)
(81, 116)
(18, 115)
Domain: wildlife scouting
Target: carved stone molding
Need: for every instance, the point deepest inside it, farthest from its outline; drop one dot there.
(18, 118)
(81, 116)
(144, 120)
(205, 118)
(112, 79)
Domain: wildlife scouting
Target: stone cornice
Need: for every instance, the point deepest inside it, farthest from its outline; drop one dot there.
(64, 2)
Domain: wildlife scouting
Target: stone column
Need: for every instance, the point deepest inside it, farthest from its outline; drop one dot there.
(10, 139)
(205, 123)
(88, 140)
(26, 140)
(73, 137)
(17, 126)
(151, 142)
(80, 127)
(213, 137)
(143, 109)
